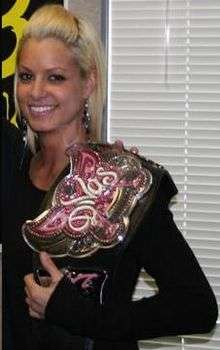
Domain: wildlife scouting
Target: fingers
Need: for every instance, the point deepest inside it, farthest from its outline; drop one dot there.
(32, 289)
(30, 283)
(38, 296)
(35, 314)
(27, 292)
(50, 267)
(33, 309)
(36, 303)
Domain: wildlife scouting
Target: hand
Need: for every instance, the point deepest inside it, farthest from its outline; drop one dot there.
(120, 145)
(38, 296)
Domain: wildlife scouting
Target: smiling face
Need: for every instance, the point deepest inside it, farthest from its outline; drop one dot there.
(50, 90)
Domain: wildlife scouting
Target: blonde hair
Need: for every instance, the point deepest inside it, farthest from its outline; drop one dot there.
(54, 21)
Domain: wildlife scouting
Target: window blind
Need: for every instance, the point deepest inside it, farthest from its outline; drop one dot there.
(164, 97)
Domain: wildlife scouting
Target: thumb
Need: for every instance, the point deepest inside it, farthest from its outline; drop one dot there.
(50, 267)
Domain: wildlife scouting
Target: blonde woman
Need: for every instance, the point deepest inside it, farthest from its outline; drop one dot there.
(59, 96)
(60, 90)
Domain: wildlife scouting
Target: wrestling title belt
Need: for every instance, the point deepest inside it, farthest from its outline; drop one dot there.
(90, 207)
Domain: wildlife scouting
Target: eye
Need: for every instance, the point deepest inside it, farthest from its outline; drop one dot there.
(25, 77)
(56, 78)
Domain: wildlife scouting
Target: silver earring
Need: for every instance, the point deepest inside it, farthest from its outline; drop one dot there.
(86, 117)
(24, 138)
(24, 130)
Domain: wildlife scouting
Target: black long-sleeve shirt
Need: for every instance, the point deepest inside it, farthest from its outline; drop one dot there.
(184, 304)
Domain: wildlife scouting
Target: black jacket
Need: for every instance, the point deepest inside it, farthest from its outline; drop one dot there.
(184, 303)
(18, 203)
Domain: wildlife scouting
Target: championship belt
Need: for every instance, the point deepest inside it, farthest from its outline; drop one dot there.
(90, 208)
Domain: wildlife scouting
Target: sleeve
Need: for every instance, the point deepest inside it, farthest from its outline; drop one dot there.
(184, 304)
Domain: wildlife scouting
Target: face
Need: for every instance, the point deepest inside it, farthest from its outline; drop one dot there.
(50, 91)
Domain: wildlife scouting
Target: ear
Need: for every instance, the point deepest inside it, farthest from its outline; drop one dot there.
(90, 84)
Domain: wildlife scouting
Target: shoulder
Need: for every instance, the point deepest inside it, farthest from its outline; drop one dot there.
(12, 147)
(11, 136)
(9, 129)
(154, 167)
(162, 181)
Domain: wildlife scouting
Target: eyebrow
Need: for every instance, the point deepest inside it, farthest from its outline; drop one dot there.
(48, 69)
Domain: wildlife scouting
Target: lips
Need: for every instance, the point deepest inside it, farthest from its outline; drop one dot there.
(41, 110)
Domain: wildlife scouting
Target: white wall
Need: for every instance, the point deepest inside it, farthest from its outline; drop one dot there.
(91, 9)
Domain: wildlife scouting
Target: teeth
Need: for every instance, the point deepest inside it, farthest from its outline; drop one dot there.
(40, 109)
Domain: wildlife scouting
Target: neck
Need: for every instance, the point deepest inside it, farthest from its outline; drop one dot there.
(51, 159)
(53, 146)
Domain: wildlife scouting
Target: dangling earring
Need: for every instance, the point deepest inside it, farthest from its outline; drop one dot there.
(86, 117)
(24, 130)
(24, 138)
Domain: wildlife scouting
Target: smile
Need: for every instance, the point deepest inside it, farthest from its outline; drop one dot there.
(41, 109)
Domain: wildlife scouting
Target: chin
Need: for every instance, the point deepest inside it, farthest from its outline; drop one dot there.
(40, 128)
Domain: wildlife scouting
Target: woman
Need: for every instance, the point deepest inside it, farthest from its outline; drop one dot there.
(59, 82)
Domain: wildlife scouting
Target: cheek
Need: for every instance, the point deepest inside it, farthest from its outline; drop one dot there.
(21, 93)
(72, 99)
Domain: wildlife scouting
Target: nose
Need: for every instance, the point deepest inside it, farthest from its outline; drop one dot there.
(38, 88)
